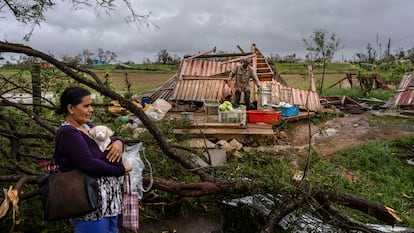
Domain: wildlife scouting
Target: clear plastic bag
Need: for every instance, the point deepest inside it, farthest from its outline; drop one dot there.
(131, 157)
(155, 114)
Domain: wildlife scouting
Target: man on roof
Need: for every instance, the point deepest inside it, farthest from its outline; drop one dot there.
(242, 73)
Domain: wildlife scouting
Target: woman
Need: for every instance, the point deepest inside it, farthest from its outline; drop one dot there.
(75, 149)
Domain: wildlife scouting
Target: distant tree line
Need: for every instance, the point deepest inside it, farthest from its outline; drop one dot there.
(371, 55)
(289, 58)
(86, 56)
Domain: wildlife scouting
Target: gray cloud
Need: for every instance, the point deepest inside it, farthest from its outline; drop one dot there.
(188, 26)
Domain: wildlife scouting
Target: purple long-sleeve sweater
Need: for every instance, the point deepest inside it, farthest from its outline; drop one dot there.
(76, 150)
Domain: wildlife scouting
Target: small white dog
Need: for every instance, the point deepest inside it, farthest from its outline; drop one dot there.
(101, 134)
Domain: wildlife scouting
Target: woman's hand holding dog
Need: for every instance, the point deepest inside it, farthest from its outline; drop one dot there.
(115, 151)
(127, 169)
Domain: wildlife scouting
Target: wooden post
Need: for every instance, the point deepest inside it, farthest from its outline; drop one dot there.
(311, 78)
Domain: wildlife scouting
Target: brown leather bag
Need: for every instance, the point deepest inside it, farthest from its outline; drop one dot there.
(68, 194)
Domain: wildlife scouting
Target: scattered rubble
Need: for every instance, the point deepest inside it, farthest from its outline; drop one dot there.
(199, 143)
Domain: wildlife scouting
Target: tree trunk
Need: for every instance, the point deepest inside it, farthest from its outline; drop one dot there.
(36, 87)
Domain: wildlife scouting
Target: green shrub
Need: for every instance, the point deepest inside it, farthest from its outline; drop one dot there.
(373, 171)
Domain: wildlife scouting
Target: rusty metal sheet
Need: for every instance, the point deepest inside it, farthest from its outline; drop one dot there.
(165, 91)
(405, 81)
(406, 98)
(198, 90)
(304, 98)
(405, 92)
(192, 68)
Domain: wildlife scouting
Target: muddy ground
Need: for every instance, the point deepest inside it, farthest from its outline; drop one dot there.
(350, 130)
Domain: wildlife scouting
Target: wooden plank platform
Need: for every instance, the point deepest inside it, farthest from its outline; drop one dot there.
(207, 126)
(251, 129)
(300, 116)
(255, 135)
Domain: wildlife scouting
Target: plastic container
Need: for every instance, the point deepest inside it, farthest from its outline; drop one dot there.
(211, 107)
(266, 116)
(211, 110)
(290, 111)
(145, 100)
(236, 116)
(187, 118)
(266, 96)
(162, 104)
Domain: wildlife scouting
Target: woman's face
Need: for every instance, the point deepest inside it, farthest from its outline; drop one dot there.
(82, 112)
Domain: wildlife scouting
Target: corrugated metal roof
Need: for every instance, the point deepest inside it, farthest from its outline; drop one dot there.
(198, 90)
(165, 91)
(405, 91)
(200, 68)
(304, 98)
(406, 98)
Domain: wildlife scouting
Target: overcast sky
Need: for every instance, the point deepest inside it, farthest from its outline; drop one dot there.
(191, 26)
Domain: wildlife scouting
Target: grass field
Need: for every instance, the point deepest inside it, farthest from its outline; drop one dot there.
(301, 68)
(140, 82)
(302, 81)
(295, 74)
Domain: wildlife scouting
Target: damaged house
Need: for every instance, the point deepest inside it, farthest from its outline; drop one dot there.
(204, 76)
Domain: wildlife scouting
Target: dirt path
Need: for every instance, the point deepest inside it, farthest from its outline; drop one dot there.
(349, 131)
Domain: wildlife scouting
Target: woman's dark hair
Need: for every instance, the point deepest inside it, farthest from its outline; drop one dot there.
(73, 96)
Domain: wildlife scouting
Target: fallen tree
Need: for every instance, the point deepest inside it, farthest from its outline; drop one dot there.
(208, 184)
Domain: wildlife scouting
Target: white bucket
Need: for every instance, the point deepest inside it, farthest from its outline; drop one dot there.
(266, 96)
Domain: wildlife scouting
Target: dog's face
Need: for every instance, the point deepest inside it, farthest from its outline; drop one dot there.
(101, 132)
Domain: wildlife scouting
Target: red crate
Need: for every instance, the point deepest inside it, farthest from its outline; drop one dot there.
(266, 116)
